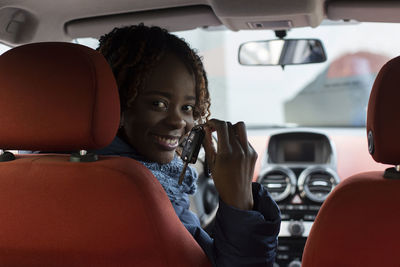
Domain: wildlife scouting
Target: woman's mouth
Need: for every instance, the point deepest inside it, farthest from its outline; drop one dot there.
(167, 142)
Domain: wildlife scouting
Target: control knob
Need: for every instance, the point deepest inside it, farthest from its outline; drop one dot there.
(295, 263)
(296, 228)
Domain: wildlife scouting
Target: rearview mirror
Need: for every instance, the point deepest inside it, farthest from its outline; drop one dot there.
(281, 52)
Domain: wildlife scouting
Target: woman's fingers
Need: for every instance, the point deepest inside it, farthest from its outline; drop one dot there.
(230, 137)
(233, 164)
(233, 140)
(253, 155)
(241, 135)
(209, 147)
(221, 127)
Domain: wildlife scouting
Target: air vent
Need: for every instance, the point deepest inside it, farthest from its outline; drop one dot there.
(316, 183)
(280, 182)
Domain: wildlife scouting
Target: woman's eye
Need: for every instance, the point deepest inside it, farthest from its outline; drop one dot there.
(159, 104)
(187, 108)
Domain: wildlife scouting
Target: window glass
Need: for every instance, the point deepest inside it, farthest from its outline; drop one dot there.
(333, 93)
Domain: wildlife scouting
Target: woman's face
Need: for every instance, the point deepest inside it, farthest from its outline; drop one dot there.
(162, 113)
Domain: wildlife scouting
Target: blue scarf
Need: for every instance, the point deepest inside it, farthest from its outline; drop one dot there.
(167, 174)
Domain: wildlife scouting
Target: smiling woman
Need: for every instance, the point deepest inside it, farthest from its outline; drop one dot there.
(162, 113)
(164, 93)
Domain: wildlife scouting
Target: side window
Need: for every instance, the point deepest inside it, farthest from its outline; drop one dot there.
(4, 48)
(89, 42)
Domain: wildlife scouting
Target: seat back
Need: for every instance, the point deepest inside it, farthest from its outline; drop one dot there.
(54, 212)
(358, 223)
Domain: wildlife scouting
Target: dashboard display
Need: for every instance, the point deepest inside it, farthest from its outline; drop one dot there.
(295, 151)
(299, 148)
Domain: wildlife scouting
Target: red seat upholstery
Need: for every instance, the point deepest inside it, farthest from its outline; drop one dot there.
(358, 223)
(53, 212)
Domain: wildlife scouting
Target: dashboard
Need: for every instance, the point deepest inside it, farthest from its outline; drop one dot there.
(299, 167)
(299, 171)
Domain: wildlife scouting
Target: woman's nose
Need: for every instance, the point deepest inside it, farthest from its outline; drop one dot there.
(175, 119)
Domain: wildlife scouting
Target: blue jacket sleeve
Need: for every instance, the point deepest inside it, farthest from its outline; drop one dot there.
(241, 238)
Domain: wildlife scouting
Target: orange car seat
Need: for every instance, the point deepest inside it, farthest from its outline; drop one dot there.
(57, 210)
(358, 223)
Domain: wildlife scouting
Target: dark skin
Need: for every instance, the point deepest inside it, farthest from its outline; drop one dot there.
(162, 114)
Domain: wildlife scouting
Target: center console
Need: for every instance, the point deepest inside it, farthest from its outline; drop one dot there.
(299, 171)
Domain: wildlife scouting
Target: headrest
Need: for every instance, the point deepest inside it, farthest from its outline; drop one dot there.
(56, 97)
(383, 117)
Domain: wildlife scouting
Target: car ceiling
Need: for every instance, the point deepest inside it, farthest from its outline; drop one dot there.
(25, 21)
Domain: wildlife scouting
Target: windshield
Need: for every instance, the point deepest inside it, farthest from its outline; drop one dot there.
(333, 93)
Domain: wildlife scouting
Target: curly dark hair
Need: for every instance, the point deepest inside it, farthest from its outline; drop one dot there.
(134, 51)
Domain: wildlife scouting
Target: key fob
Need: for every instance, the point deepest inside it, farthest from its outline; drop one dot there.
(192, 145)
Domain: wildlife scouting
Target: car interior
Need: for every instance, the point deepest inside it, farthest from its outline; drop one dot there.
(314, 80)
(78, 209)
(351, 223)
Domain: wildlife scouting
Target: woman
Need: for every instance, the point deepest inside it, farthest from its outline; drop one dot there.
(163, 93)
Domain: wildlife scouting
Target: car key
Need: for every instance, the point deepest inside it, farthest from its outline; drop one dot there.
(191, 148)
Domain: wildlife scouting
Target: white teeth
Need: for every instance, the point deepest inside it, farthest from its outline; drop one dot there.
(169, 141)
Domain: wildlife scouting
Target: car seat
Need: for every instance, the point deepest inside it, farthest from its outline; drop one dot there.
(80, 209)
(358, 223)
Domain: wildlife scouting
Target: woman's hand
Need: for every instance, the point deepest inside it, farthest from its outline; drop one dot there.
(232, 164)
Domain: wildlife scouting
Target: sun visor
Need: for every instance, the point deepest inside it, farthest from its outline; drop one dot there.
(173, 19)
(367, 11)
(269, 14)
